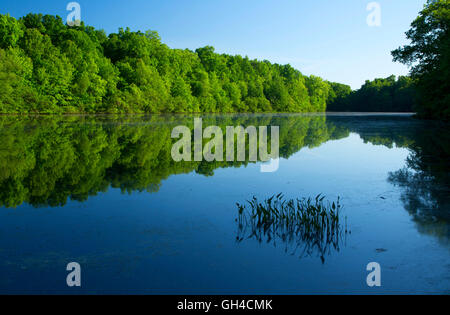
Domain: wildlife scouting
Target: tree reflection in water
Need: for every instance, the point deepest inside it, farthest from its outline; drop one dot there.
(46, 161)
(425, 181)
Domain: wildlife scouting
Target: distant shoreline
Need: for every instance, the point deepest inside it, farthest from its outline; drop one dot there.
(211, 114)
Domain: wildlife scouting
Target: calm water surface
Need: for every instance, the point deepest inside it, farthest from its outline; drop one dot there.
(105, 192)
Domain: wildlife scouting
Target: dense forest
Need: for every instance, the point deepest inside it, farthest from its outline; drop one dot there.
(49, 67)
(380, 95)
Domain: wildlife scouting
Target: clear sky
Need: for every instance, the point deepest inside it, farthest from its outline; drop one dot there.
(328, 38)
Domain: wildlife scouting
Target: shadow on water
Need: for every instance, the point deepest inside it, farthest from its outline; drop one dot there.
(303, 227)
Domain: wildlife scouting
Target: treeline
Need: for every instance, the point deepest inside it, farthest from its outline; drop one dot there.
(380, 95)
(427, 90)
(49, 67)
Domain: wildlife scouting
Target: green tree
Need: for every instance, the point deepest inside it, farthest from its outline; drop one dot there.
(49, 67)
(10, 31)
(429, 56)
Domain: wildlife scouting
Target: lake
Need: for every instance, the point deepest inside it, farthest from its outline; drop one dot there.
(106, 193)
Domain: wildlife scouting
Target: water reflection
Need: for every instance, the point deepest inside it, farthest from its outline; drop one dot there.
(178, 234)
(425, 181)
(303, 227)
(47, 161)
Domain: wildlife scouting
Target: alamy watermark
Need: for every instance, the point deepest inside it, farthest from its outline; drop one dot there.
(73, 279)
(74, 17)
(236, 137)
(374, 17)
(374, 277)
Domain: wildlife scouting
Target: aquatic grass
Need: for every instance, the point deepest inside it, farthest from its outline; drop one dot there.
(313, 224)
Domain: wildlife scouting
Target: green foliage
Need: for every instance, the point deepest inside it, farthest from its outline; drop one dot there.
(15, 72)
(305, 225)
(380, 95)
(338, 92)
(10, 31)
(429, 56)
(318, 92)
(49, 67)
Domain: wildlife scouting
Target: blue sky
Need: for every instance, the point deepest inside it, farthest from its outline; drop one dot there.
(327, 38)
